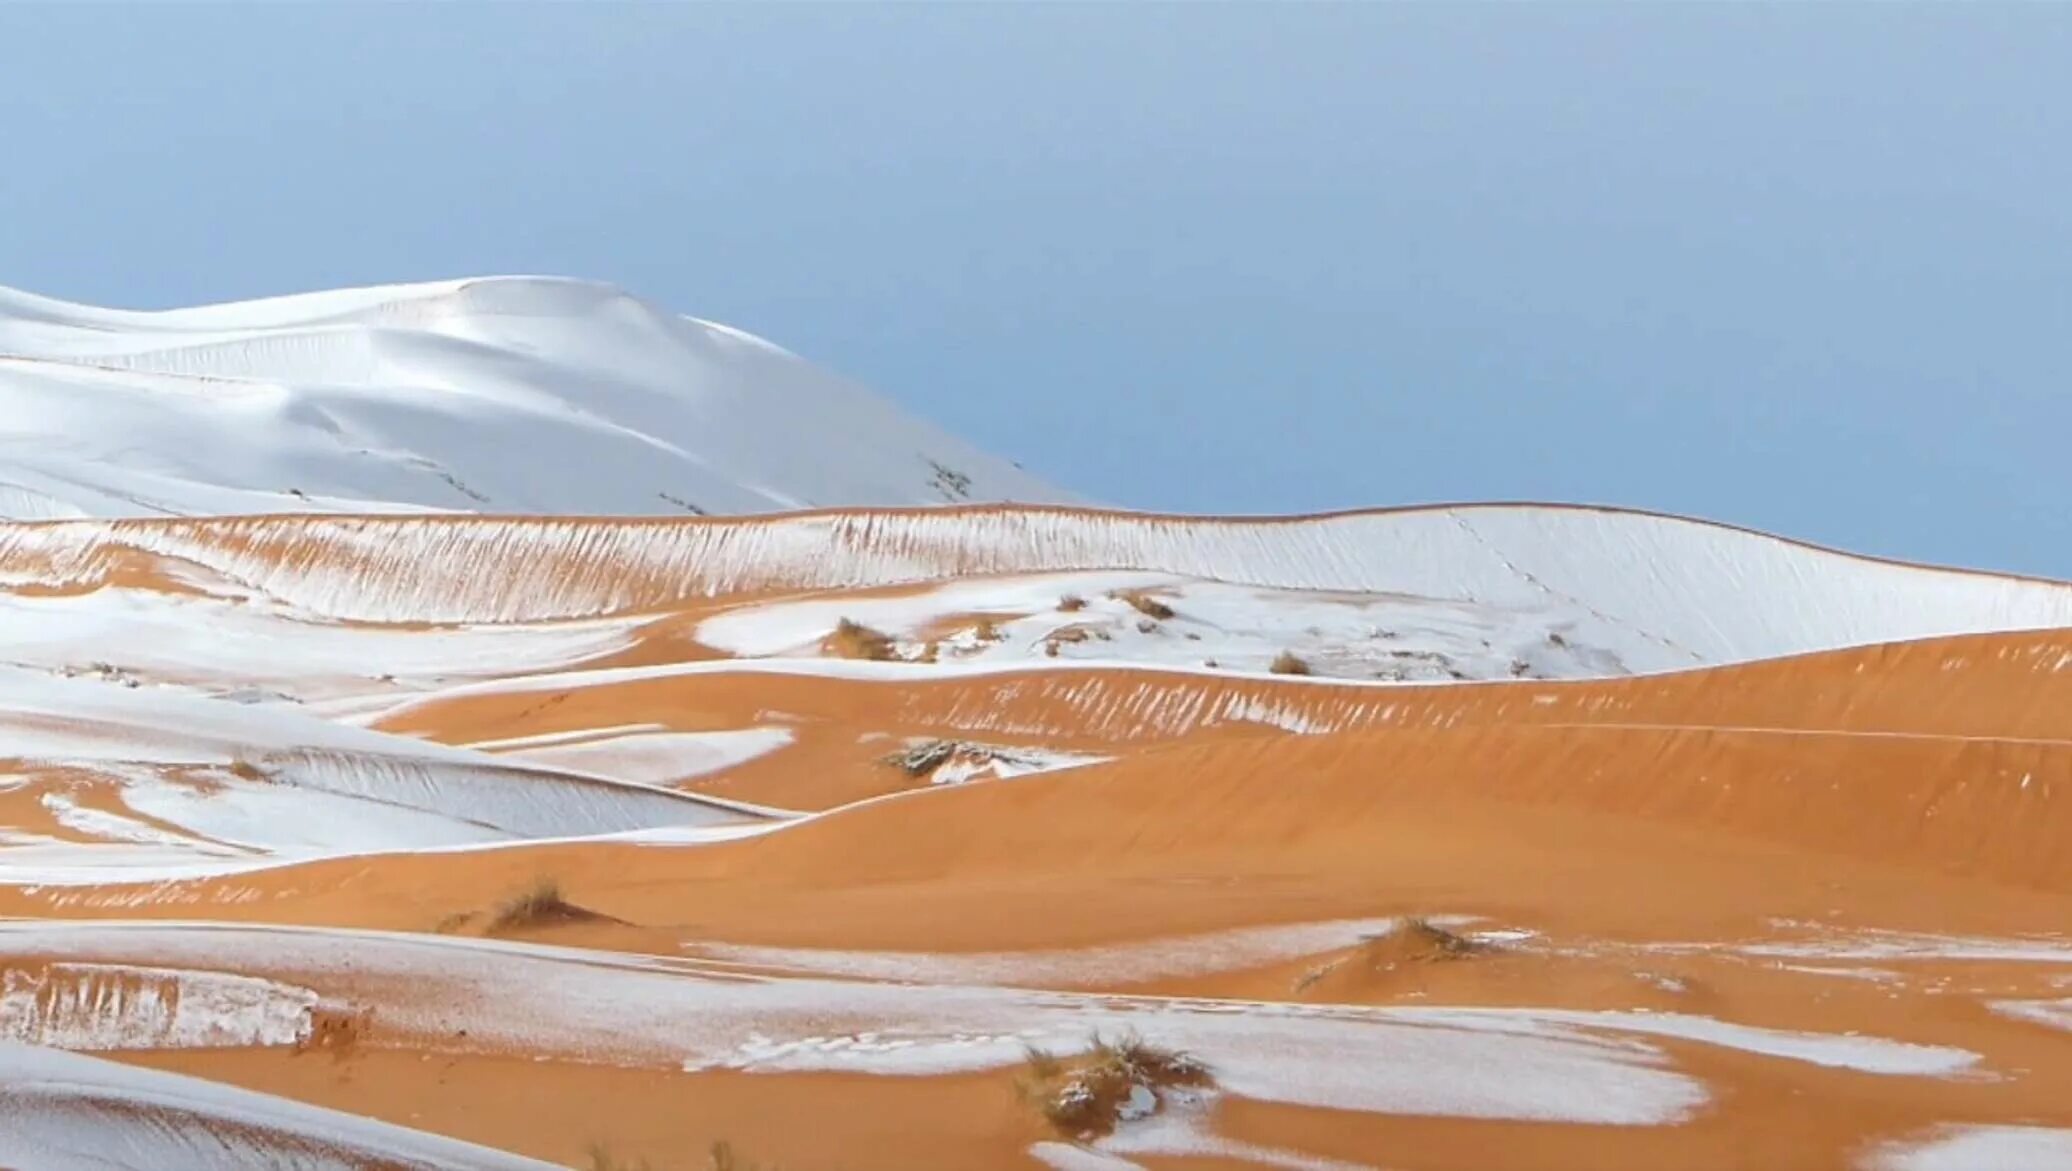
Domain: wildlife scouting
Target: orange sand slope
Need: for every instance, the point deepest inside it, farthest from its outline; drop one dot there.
(1478, 838)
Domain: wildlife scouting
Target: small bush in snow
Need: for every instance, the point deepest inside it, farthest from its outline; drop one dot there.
(1115, 1081)
(854, 640)
(1144, 604)
(1289, 663)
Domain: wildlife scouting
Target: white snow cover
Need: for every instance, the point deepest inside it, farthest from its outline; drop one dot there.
(1479, 1063)
(1665, 592)
(1091, 616)
(1979, 1148)
(273, 781)
(66, 1112)
(114, 1006)
(1121, 963)
(655, 758)
(256, 650)
(500, 394)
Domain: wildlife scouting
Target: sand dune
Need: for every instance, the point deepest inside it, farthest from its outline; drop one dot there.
(1502, 837)
(434, 397)
(639, 826)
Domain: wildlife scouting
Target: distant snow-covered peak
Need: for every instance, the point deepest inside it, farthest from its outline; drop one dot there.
(504, 394)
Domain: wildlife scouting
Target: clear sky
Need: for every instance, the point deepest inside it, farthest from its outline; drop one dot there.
(1803, 267)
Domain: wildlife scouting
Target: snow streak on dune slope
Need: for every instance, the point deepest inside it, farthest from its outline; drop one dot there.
(499, 395)
(148, 776)
(65, 1112)
(1666, 592)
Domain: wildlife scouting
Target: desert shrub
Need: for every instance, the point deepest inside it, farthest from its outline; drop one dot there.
(538, 905)
(918, 760)
(1289, 663)
(1435, 942)
(853, 640)
(1088, 1095)
(1143, 603)
(1414, 941)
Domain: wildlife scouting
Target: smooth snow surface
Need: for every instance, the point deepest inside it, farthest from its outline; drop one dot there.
(65, 1112)
(1980, 1148)
(508, 394)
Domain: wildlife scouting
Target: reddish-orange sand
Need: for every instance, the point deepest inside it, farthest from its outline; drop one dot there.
(1647, 838)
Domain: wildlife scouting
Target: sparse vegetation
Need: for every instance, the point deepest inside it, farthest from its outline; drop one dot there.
(918, 760)
(1416, 940)
(1436, 942)
(539, 905)
(719, 1157)
(1071, 604)
(247, 770)
(601, 1159)
(1087, 1096)
(853, 640)
(1143, 603)
(449, 924)
(1289, 663)
(722, 1158)
(987, 630)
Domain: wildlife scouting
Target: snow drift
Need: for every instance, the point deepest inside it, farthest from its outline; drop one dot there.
(514, 394)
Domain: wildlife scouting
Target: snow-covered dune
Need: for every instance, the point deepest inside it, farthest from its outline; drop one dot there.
(112, 776)
(513, 394)
(1661, 592)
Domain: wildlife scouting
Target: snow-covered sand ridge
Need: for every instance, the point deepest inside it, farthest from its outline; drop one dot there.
(509, 394)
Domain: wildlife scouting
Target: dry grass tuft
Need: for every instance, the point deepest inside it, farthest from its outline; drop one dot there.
(1417, 940)
(539, 905)
(721, 1157)
(1071, 604)
(1143, 603)
(918, 760)
(448, 924)
(601, 1159)
(987, 630)
(1289, 663)
(1433, 942)
(247, 770)
(1115, 1081)
(854, 640)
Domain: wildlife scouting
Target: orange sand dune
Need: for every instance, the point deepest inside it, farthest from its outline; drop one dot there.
(2008, 686)
(1822, 897)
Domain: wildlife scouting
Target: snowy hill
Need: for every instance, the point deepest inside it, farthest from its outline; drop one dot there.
(512, 394)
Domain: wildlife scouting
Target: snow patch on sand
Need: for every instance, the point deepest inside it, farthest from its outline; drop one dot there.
(1978, 1148)
(67, 1112)
(115, 1006)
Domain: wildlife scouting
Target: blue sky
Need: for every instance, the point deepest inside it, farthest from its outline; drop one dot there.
(1801, 267)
